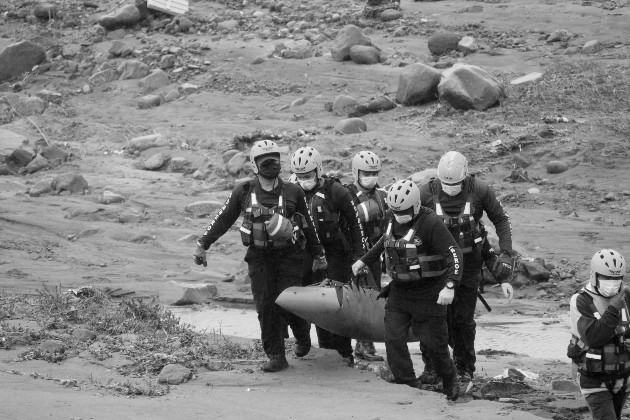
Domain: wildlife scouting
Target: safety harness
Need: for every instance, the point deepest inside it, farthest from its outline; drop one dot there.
(253, 230)
(373, 229)
(468, 232)
(408, 261)
(612, 358)
(326, 219)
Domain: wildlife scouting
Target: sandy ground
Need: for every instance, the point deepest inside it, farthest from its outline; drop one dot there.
(71, 240)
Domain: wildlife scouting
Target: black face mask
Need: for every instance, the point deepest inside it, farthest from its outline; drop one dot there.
(269, 169)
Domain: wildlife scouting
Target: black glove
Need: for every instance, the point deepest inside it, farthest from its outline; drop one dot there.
(384, 293)
(500, 266)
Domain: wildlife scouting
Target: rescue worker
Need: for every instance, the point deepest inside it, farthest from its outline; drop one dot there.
(371, 203)
(425, 264)
(273, 209)
(459, 199)
(338, 229)
(600, 343)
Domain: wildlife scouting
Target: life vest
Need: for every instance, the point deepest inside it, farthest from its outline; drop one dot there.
(408, 261)
(253, 230)
(373, 228)
(612, 358)
(468, 232)
(326, 219)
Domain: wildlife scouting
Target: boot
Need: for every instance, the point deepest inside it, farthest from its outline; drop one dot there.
(464, 375)
(301, 349)
(276, 363)
(365, 350)
(429, 376)
(451, 388)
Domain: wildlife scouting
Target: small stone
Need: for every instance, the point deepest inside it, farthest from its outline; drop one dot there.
(149, 101)
(467, 45)
(37, 164)
(443, 43)
(521, 161)
(45, 11)
(556, 167)
(72, 183)
(179, 164)
(591, 47)
(157, 79)
(529, 78)
(228, 25)
(204, 208)
(173, 374)
(156, 162)
(418, 84)
(83, 334)
(108, 197)
(146, 142)
(132, 69)
(227, 155)
(27, 105)
(348, 37)
(103, 77)
(52, 346)
(71, 50)
(120, 49)
(42, 187)
(465, 86)
(611, 196)
(351, 126)
(50, 96)
(171, 95)
(343, 104)
(390, 14)
(365, 54)
(188, 88)
(167, 61)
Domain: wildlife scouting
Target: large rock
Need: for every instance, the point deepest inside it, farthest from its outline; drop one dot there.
(351, 126)
(364, 54)
(204, 208)
(132, 69)
(418, 84)
(343, 104)
(534, 270)
(45, 11)
(443, 43)
(556, 167)
(379, 104)
(54, 153)
(236, 163)
(20, 157)
(174, 374)
(176, 293)
(27, 105)
(147, 142)
(300, 49)
(125, 16)
(157, 79)
(347, 38)
(469, 87)
(73, 183)
(19, 58)
(42, 187)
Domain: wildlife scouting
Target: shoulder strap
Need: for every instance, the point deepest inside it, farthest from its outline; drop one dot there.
(471, 183)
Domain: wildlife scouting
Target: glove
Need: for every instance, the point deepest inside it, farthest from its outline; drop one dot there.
(200, 256)
(619, 299)
(446, 296)
(508, 290)
(319, 263)
(501, 266)
(384, 293)
(358, 267)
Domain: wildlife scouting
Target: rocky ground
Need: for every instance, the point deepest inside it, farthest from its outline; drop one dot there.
(124, 129)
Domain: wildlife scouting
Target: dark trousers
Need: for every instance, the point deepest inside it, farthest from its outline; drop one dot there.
(271, 272)
(339, 269)
(428, 323)
(461, 323)
(604, 405)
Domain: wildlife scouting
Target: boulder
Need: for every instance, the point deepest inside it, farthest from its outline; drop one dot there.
(132, 69)
(73, 183)
(108, 197)
(147, 142)
(103, 77)
(204, 208)
(125, 16)
(19, 58)
(50, 96)
(443, 43)
(351, 126)
(556, 167)
(174, 374)
(27, 105)
(157, 79)
(37, 164)
(364, 54)
(156, 162)
(177, 293)
(418, 84)
(347, 38)
(591, 47)
(236, 163)
(469, 87)
(54, 152)
(467, 45)
(534, 270)
(45, 11)
(343, 104)
(20, 157)
(528, 78)
(42, 187)
(150, 101)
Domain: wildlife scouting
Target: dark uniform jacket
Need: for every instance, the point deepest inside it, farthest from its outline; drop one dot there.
(294, 201)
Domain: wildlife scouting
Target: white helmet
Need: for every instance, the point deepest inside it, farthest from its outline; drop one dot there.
(453, 168)
(403, 195)
(365, 161)
(305, 159)
(262, 148)
(607, 262)
(293, 179)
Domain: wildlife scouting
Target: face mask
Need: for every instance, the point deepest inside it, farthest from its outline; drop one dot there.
(368, 182)
(452, 189)
(608, 288)
(269, 169)
(308, 184)
(403, 219)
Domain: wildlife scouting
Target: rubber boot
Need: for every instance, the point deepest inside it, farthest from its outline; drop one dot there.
(365, 350)
(276, 363)
(301, 349)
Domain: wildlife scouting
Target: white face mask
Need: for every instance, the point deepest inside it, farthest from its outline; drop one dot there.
(452, 189)
(608, 288)
(308, 184)
(403, 219)
(368, 182)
